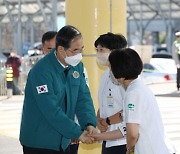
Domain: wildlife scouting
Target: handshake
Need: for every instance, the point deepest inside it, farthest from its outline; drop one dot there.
(91, 134)
(88, 136)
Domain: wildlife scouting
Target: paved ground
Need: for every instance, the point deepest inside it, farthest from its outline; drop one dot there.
(169, 103)
(10, 115)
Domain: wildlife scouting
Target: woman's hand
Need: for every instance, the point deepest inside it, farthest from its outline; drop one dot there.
(102, 125)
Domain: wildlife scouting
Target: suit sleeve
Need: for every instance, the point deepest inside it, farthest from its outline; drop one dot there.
(85, 109)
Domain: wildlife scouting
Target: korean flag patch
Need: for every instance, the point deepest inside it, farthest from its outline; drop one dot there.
(42, 89)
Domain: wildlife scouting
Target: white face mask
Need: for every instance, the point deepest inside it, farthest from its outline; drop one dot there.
(113, 79)
(73, 60)
(102, 58)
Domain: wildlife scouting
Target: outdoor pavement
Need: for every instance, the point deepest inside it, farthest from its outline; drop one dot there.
(10, 115)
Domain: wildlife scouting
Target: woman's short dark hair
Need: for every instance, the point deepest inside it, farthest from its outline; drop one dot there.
(65, 35)
(111, 41)
(125, 63)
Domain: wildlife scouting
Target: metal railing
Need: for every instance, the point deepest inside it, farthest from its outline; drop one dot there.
(27, 64)
(3, 87)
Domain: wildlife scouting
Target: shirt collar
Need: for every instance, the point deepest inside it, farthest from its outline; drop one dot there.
(59, 60)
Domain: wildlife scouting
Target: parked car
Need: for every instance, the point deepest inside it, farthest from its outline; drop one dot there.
(159, 70)
(161, 51)
(35, 50)
(162, 54)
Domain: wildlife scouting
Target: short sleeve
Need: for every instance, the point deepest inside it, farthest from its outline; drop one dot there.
(133, 107)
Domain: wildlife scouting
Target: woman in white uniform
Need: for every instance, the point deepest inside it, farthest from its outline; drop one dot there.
(110, 93)
(145, 130)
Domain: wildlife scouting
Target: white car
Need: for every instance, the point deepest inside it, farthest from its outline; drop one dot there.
(159, 70)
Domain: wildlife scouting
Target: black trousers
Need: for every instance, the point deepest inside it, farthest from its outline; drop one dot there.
(178, 78)
(74, 148)
(120, 149)
(29, 150)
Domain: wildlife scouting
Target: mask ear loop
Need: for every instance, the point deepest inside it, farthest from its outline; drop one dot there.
(63, 56)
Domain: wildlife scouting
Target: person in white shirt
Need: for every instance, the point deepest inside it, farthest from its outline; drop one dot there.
(176, 57)
(144, 126)
(110, 94)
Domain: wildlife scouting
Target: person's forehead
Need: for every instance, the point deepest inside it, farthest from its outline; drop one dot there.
(102, 47)
(77, 41)
(52, 41)
(99, 46)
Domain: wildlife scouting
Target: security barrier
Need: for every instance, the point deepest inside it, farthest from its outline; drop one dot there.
(27, 64)
(9, 76)
(9, 81)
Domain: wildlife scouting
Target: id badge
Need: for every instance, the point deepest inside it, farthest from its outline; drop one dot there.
(110, 101)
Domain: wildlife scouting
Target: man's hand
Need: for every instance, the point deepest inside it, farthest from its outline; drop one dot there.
(91, 130)
(84, 138)
(73, 141)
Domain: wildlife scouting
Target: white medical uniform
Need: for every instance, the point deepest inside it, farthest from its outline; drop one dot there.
(110, 102)
(141, 108)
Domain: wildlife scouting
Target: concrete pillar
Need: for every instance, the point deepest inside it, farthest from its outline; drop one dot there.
(0, 37)
(155, 38)
(54, 15)
(19, 30)
(94, 18)
(31, 31)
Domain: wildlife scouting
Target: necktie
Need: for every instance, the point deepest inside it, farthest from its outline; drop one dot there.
(65, 95)
(66, 71)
